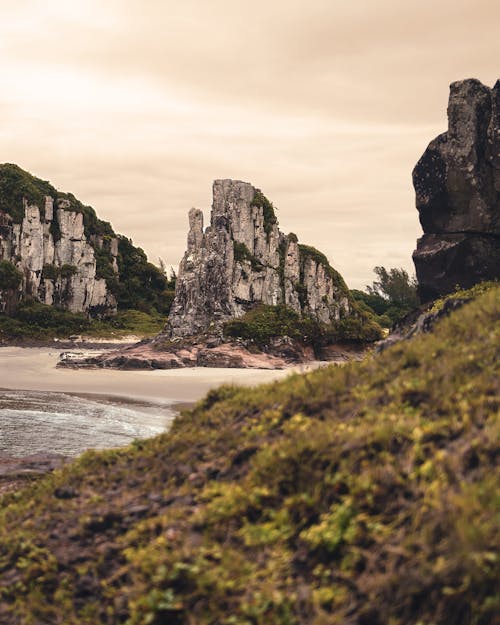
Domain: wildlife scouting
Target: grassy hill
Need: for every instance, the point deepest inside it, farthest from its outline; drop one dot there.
(361, 495)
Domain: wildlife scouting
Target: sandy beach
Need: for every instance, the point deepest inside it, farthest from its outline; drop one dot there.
(30, 368)
(47, 414)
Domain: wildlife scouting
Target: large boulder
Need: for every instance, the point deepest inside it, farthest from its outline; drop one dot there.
(457, 185)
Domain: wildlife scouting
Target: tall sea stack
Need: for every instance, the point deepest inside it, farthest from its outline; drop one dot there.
(243, 259)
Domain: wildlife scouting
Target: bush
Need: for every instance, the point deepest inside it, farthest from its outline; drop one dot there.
(242, 254)
(263, 323)
(50, 272)
(16, 185)
(10, 276)
(260, 200)
(68, 270)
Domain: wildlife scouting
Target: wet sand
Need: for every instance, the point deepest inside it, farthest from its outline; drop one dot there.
(32, 368)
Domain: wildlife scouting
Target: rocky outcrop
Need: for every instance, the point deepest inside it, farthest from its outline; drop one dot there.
(243, 259)
(57, 261)
(457, 184)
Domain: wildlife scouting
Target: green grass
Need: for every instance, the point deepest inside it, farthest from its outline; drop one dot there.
(363, 495)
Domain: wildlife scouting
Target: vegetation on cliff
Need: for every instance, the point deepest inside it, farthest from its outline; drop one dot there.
(365, 494)
(268, 209)
(308, 251)
(10, 276)
(17, 185)
(138, 285)
(263, 323)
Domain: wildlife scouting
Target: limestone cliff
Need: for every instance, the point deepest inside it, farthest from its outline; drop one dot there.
(55, 250)
(242, 259)
(46, 241)
(457, 184)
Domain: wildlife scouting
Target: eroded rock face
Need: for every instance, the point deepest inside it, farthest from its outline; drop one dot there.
(57, 261)
(457, 184)
(242, 259)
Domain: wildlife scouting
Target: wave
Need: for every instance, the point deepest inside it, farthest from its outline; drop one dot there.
(46, 422)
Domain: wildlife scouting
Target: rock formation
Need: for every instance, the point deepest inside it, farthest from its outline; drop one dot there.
(44, 237)
(242, 259)
(55, 250)
(457, 184)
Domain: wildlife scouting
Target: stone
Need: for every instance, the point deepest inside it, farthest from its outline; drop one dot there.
(30, 246)
(457, 185)
(243, 259)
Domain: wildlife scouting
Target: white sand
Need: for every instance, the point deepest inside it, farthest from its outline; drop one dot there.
(35, 369)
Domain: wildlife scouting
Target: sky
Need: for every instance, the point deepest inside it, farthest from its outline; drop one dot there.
(136, 106)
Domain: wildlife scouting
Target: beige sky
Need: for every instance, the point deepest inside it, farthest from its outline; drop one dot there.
(135, 106)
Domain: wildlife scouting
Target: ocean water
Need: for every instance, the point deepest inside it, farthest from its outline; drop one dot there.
(47, 422)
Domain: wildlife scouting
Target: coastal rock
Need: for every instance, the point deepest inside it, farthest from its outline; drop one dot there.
(457, 185)
(243, 259)
(47, 243)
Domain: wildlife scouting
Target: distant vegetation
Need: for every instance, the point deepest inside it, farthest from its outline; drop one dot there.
(363, 495)
(16, 185)
(260, 200)
(143, 286)
(390, 297)
(264, 323)
(10, 276)
(139, 285)
(37, 322)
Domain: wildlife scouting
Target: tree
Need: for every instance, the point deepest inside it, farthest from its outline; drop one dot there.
(395, 286)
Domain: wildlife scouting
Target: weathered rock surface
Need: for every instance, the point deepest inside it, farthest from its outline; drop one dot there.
(56, 258)
(457, 184)
(242, 259)
(176, 355)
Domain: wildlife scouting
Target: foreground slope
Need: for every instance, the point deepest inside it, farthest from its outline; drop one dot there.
(358, 495)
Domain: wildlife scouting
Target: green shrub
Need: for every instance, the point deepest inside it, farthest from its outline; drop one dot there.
(10, 276)
(50, 272)
(16, 185)
(263, 323)
(68, 270)
(46, 317)
(260, 200)
(242, 254)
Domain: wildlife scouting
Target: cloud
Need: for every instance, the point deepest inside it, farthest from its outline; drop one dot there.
(136, 106)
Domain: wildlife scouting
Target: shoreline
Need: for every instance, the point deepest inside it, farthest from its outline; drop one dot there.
(34, 369)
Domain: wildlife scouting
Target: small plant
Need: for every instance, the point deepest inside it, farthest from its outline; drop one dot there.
(242, 254)
(67, 271)
(260, 200)
(50, 272)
